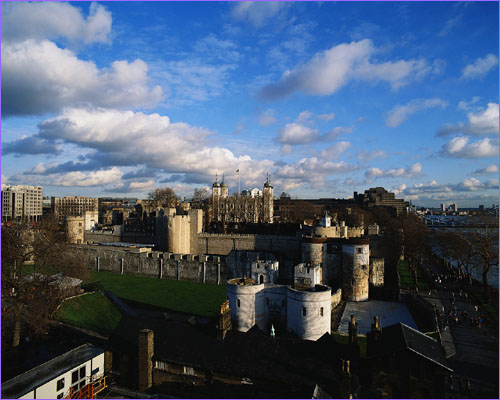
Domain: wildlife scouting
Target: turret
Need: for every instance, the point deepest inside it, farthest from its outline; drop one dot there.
(268, 201)
(223, 189)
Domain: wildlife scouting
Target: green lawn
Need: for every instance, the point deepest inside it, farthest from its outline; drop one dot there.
(190, 297)
(91, 311)
(406, 277)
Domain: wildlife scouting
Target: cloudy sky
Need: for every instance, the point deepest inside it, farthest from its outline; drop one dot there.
(116, 99)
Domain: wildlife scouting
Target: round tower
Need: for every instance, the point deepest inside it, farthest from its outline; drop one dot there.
(309, 311)
(268, 201)
(242, 295)
(216, 192)
(355, 269)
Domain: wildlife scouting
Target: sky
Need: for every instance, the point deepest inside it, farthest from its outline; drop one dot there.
(115, 99)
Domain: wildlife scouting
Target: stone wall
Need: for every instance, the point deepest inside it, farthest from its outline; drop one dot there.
(336, 298)
(377, 271)
(185, 267)
(221, 244)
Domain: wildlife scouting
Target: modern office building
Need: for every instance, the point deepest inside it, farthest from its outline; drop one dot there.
(21, 203)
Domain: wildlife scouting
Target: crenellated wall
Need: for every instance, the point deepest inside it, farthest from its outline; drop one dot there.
(142, 261)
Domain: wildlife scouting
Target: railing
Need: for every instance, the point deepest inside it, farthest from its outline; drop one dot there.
(90, 390)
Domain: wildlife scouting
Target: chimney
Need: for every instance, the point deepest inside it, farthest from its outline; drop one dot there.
(145, 358)
(353, 331)
(224, 323)
(373, 337)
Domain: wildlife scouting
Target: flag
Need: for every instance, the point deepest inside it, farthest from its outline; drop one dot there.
(238, 170)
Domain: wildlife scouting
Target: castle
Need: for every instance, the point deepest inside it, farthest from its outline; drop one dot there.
(238, 208)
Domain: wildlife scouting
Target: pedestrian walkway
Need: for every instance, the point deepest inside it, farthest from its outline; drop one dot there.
(476, 348)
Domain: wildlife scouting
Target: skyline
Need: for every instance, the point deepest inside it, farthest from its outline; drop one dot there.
(116, 99)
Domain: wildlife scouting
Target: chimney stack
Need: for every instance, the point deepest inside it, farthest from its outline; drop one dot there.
(353, 331)
(145, 358)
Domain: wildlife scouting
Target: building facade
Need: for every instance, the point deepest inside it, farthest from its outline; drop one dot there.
(253, 207)
(73, 206)
(21, 203)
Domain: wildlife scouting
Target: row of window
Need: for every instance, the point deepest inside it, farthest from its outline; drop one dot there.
(78, 380)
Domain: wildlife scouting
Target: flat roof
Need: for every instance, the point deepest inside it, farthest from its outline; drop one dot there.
(43, 373)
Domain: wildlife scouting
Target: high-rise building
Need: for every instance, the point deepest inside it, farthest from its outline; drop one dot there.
(21, 203)
(73, 206)
(454, 207)
(443, 207)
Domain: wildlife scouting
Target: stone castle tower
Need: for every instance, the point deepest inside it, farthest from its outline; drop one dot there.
(268, 201)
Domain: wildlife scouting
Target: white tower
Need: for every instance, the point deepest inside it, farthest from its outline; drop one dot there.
(268, 201)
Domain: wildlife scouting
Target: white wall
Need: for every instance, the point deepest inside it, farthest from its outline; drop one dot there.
(49, 389)
(313, 325)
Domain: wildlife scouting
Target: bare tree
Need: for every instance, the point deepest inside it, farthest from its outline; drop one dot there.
(485, 243)
(199, 196)
(29, 299)
(163, 197)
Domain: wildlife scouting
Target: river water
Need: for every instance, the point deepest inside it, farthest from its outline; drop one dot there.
(449, 223)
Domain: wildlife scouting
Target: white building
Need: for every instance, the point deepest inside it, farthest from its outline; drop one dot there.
(54, 379)
(21, 202)
(307, 275)
(306, 312)
(265, 271)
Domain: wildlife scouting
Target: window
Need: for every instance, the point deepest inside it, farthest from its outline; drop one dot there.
(60, 384)
(60, 395)
(238, 302)
(321, 311)
(359, 250)
(304, 311)
(82, 372)
(95, 371)
(74, 376)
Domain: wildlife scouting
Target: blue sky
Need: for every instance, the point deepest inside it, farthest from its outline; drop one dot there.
(118, 98)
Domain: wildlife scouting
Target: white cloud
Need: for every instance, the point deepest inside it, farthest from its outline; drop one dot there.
(331, 69)
(312, 171)
(490, 169)
(120, 139)
(326, 117)
(258, 12)
(483, 122)
(267, 117)
(39, 77)
(193, 80)
(480, 67)
(304, 116)
(336, 132)
(223, 49)
(335, 151)
(52, 20)
(370, 155)
(409, 172)
(400, 113)
(78, 178)
(438, 191)
(295, 133)
(460, 147)
(450, 24)
(467, 105)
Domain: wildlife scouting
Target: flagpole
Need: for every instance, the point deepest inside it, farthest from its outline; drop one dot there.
(239, 192)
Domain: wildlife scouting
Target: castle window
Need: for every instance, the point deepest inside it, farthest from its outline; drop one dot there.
(304, 311)
(308, 270)
(359, 250)
(238, 302)
(321, 311)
